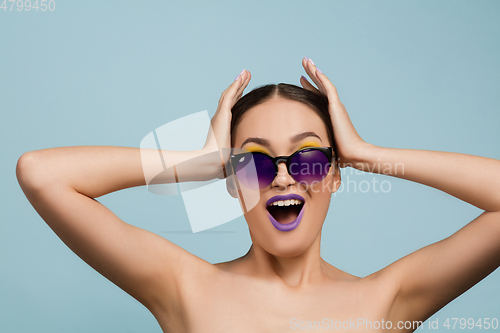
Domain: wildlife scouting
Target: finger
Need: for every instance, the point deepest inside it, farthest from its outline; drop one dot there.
(233, 96)
(331, 90)
(236, 83)
(234, 92)
(240, 93)
(228, 94)
(310, 69)
(243, 86)
(307, 64)
(307, 85)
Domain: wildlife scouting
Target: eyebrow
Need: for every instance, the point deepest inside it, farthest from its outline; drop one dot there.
(293, 139)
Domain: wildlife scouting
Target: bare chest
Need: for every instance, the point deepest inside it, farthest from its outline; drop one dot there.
(233, 304)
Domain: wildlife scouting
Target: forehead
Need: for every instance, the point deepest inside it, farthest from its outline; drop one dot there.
(279, 119)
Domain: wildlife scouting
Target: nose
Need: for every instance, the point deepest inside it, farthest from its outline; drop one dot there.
(283, 178)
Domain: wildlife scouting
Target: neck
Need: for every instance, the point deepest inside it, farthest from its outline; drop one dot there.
(299, 271)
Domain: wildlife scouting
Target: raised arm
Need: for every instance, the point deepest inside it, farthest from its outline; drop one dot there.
(433, 276)
(436, 274)
(62, 184)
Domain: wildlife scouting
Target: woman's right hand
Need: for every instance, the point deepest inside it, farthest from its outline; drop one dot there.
(219, 135)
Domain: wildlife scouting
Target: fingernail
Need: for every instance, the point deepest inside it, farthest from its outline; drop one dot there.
(239, 75)
(319, 70)
(304, 77)
(307, 59)
(312, 62)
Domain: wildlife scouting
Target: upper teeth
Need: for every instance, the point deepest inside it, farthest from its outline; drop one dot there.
(287, 202)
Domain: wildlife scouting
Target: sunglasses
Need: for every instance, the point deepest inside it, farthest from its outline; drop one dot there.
(256, 170)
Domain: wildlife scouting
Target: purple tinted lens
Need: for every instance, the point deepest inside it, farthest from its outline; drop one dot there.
(309, 166)
(255, 171)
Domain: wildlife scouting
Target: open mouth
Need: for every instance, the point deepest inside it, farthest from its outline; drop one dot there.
(285, 211)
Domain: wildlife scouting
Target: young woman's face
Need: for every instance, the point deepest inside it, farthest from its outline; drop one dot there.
(276, 124)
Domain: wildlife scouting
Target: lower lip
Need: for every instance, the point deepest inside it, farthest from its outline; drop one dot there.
(287, 226)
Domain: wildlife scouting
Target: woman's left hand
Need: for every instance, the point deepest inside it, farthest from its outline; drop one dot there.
(350, 146)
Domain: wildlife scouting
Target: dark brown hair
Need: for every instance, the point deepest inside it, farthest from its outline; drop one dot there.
(318, 103)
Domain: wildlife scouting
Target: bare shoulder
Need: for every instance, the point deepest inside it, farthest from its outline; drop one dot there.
(383, 287)
(193, 270)
(174, 298)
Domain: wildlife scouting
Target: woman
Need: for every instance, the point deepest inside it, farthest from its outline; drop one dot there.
(282, 283)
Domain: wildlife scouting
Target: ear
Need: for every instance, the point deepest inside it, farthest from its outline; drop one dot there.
(336, 178)
(231, 187)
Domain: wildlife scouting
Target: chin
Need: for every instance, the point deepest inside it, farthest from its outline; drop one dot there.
(283, 244)
(285, 250)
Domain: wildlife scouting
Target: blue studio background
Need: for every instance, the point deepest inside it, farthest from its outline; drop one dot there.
(412, 74)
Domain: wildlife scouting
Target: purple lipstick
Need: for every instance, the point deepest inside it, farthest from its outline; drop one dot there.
(286, 226)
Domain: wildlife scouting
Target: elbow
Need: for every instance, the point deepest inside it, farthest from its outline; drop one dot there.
(28, 171)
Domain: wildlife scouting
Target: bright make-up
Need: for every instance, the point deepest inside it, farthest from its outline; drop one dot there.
(288, 209)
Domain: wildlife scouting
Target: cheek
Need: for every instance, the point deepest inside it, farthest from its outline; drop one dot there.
(293, 243)
(324, 187)
(321, 194)
(248, 198)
